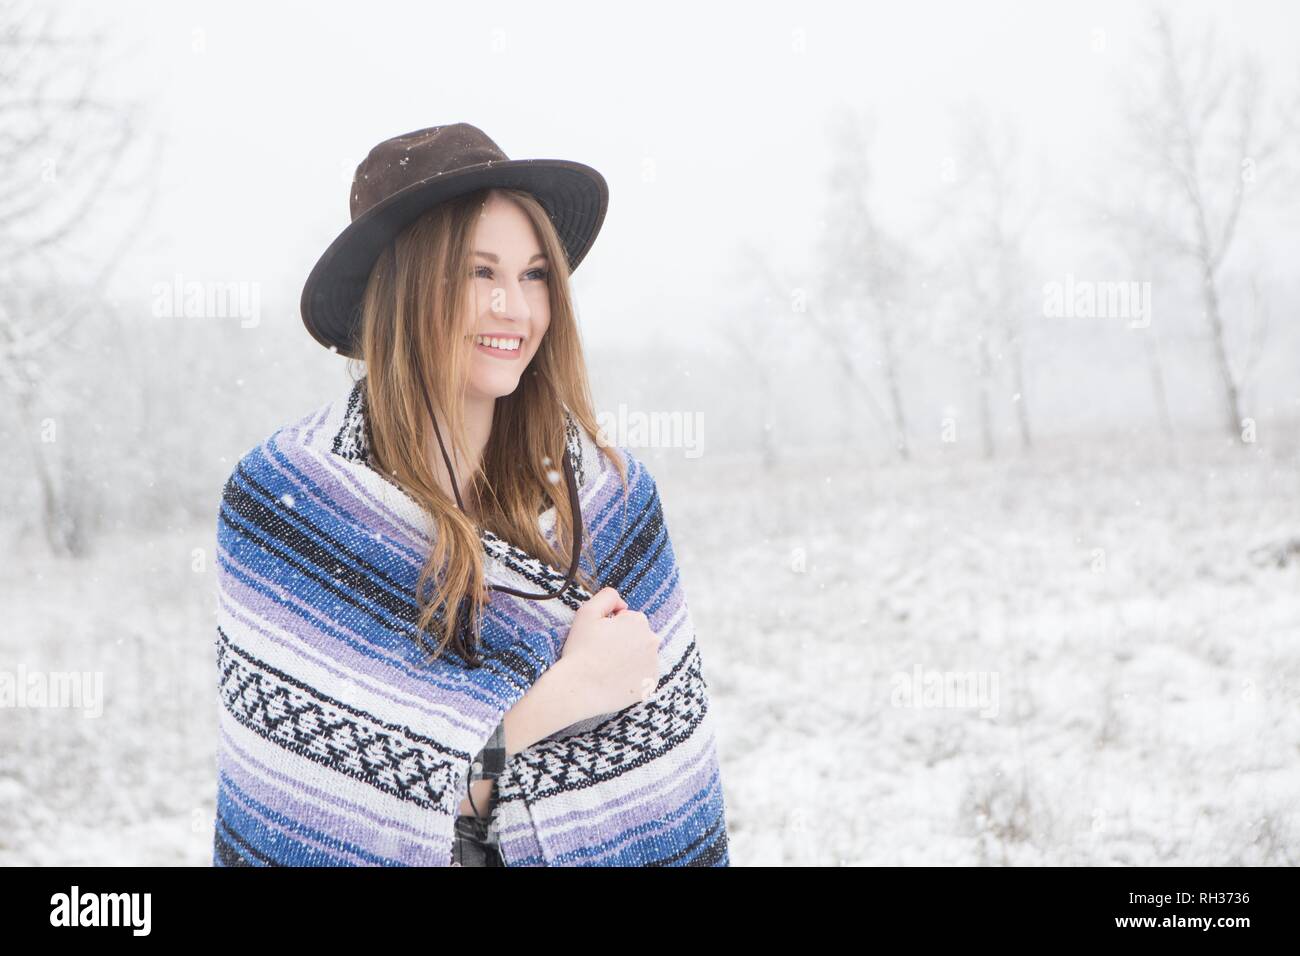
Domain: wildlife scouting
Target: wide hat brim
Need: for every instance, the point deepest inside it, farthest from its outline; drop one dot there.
(574, 195)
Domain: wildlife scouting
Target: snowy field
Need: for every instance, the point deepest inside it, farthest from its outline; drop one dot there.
(1127, 624)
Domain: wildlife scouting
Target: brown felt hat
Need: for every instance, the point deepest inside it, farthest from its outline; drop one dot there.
(403, 177)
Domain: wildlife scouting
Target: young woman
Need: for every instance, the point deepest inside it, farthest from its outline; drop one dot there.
(359, 657)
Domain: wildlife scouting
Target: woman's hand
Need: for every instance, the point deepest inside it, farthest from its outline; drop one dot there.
(611, 654)
(610, 661)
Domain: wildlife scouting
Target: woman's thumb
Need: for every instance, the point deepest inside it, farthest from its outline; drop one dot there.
(603, 602)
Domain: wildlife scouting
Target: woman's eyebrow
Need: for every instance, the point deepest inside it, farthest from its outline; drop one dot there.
(492, 257)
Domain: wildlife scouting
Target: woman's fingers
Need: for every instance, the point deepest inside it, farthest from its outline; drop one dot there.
(604, 602)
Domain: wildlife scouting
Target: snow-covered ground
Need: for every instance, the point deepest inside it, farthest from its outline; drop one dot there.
(1127, 626)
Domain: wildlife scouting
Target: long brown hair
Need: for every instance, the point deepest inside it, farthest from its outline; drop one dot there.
(412, 328)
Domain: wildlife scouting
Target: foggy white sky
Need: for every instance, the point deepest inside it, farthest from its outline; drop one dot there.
(266, 124)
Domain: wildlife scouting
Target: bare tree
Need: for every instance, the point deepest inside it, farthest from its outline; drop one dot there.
(1257, 338)
(992, 208)
(1196, 122)
(1154, 364)
(1111, 210)
(865, 270)
(763, 342)
(756, 351)
(778, 287)
(61, 156)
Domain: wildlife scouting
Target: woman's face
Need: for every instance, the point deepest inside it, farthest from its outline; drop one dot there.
(508, 300)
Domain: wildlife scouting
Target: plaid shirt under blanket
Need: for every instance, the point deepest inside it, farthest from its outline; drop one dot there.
(475, 842)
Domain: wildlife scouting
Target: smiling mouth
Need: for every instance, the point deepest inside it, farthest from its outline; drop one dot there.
(500, 346)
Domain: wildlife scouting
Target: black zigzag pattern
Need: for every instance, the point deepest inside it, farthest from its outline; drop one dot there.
(574, 441)
(389, 757)
(351, 441)
(635, 736)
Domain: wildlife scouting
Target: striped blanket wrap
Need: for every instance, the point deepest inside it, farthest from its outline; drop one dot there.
(339, 745)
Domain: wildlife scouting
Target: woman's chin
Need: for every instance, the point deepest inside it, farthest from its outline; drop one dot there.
(494, 386)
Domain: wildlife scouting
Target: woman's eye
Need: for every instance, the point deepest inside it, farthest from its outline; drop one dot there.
(484, 272)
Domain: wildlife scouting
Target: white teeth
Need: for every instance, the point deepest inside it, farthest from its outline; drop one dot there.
(509, 345)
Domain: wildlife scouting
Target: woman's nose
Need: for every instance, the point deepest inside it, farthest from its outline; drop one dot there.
(509, 302)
